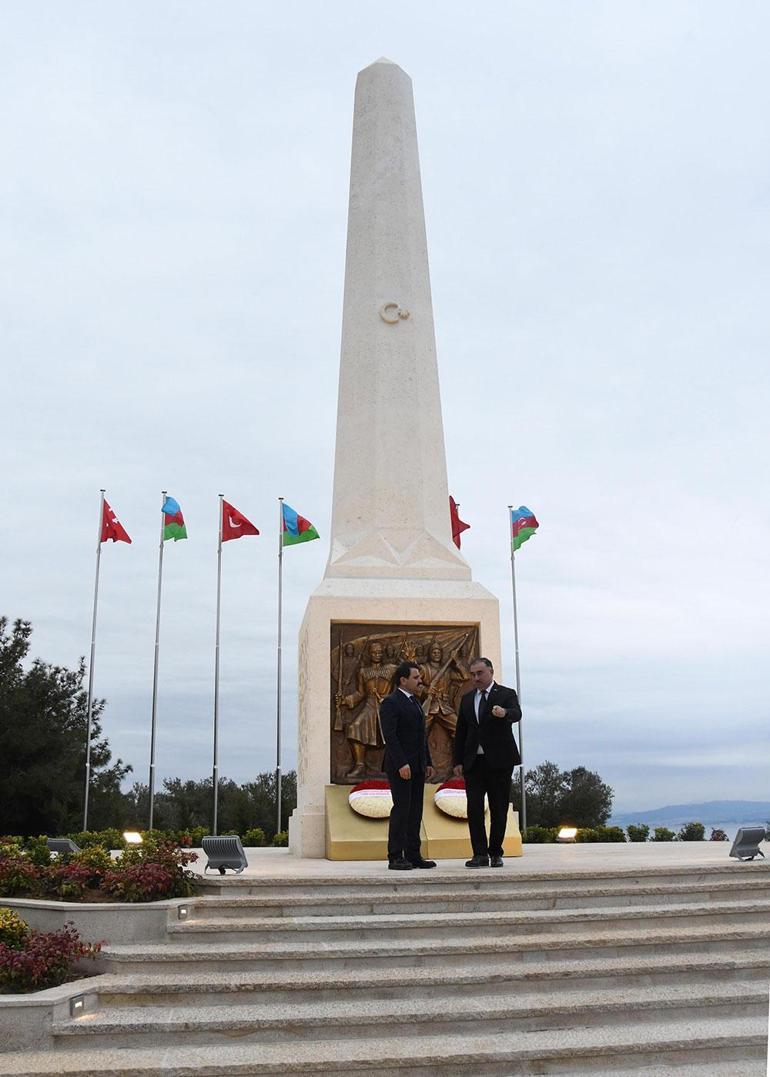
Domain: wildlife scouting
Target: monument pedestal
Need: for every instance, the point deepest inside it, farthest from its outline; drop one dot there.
(350, 836)
(368, 601)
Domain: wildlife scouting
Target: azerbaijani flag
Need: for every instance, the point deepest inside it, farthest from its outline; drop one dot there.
(295, 527)
(523, 525)
(173, 521)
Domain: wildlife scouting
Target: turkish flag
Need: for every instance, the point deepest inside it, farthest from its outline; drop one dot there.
(235, 524)
(112, 528)
(457, 524)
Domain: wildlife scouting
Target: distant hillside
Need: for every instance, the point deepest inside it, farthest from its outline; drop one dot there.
(708, 812)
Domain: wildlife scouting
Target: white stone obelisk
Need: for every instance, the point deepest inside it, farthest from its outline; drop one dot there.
(392, 558)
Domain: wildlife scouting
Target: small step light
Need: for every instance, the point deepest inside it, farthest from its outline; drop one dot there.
(77, 1005)
(182, 912)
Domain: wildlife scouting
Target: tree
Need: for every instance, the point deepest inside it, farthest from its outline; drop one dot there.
(555, 796)
(183, 805)
(43, 727)
(587, 800)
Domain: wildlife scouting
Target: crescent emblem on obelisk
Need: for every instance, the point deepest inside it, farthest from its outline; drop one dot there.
(392, 312)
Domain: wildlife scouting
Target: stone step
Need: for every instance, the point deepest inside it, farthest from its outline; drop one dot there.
(312, 953)
(717, 1039)
(442, 899)
(472, 925)
(290, 986)
(452, 875)
(402, 1018)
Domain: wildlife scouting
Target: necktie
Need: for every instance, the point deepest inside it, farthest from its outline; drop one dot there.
(482, 704)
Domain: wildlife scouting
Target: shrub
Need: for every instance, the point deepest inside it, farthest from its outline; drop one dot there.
(18, 875)
(44, 959)
(638, 833)
(691, 832)
(600, 834)
(662, 833)
(539, 835)
(151, 872)
(254, 838)
(36, 850)
(718, 835)
(139, 882)
(281, 839)
(13, 930)
(110, 838)
(67, 881)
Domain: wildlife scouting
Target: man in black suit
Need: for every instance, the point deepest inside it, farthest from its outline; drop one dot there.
(485, 754)
(407, 764)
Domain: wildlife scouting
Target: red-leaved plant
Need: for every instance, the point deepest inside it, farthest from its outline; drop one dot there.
(42, 959)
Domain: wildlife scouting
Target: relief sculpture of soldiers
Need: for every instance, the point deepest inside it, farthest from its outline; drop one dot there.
(363, 660)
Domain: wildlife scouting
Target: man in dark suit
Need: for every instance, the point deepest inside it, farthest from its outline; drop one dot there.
(485, 754)
(407, 764)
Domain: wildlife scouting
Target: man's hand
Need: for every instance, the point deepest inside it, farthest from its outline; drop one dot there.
(430, 773)
(499, 712)
(458, 771)
(405, 772)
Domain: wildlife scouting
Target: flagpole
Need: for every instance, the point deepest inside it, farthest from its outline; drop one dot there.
(523, 816)
(278, 692)
(163, 495)
(90, 703)
(215, 776)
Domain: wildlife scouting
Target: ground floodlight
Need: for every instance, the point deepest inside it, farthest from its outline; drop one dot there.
(746, 844)
(132, 837)
(224, 851)
(567, 834)
(62, 846)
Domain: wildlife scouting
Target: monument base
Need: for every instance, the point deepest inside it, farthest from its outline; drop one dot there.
(350, 836)
(367, 601)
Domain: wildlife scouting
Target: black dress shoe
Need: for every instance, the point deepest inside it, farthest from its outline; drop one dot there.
(477, 862)
(423, 863)
(495, 861)
(400, 863)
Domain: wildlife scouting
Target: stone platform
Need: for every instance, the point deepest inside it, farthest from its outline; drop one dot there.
(612, 959)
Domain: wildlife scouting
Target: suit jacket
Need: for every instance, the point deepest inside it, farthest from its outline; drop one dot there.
(495, 735)
(403, 729)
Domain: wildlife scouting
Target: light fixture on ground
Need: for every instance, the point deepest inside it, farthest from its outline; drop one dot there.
(747, 841)
(62, 846)
(132, 837)
(567, 834)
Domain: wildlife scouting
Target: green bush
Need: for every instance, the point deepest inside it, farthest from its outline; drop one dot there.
(13, 930)
(691, 832)
(600, 834)
(281, 839)
(111, 838)
(254, 838)
(539, 835)
(36, 850)
(662, 833)
(718, 835)
(638, 833)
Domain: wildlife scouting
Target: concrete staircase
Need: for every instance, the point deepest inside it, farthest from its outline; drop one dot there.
(443, 972)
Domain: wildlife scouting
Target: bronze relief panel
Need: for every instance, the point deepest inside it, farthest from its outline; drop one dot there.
(363, 660)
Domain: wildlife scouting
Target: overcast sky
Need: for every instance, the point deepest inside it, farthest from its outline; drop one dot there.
(596, 180)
